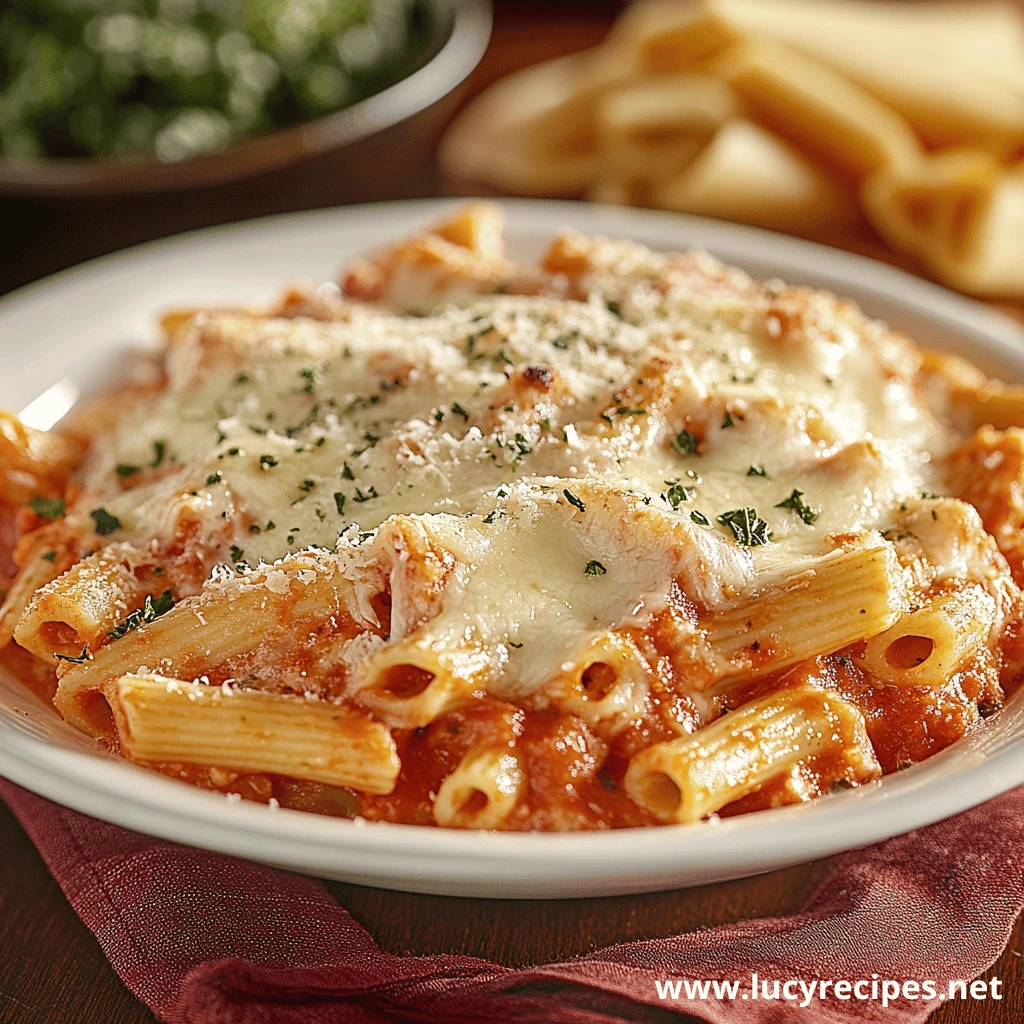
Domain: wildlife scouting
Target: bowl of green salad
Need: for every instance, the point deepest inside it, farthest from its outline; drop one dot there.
(101, 97)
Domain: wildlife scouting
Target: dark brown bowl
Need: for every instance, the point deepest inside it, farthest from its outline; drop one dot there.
(460, 30)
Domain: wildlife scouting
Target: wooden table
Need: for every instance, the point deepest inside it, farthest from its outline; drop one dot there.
(51, 967)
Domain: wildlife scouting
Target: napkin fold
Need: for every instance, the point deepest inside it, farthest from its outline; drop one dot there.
(203, 938)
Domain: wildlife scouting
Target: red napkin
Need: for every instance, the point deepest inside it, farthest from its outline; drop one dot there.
(207, 939)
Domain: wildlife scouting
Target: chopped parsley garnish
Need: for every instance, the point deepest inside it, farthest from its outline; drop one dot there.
(561, 343)
(677, 493)
(307, 485)
(242, 378)
(747, 526)
(105, 522)
(371, 492)
(339, 502)
(622, 410)
(48, 508)
(615, 308)
(80, 660)
(756, 470)
(573, 500)
(727, 422)
(124, 469)
(237, 554)
(255, 528)
(595, 568)
(49, 555)
(214, 478)
(685, 443)
(494, 514)
(545, 424)
(699, 518)
(459, 411)
(271, 525)
(159, 451)
(512, 643)
(152, 609)
(267, 462)
(234, 451)
(310, 378)
(438, 415)
(346, 472)
(928, 496)
(795, 503)
(522, 445)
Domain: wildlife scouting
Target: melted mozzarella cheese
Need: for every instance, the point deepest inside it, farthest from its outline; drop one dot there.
(280, 434)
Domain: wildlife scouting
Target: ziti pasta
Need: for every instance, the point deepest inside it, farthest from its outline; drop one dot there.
(797, 115)
(621, 539)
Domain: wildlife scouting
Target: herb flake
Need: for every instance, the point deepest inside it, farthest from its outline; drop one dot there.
(685, 443)
(747, 526)
(48, 508)
(573, 500)
(152, 609)
(105, 522)
(81, 659)
(795, 503)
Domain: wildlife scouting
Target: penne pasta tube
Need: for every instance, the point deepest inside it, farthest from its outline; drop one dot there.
(411, 682)
(481, 792)
(665, 38)
(32, 461)
(686, 779)
(958, 373)
(39, 569)
(926, 646)
(654, 128)
(987, 471)
(161, 719)
(201, 632)
(960, 211)
(608, 683)
(953, 70)
(848, 595)
(748, 174)
(79, 607)
(999, 406)
(818, 111)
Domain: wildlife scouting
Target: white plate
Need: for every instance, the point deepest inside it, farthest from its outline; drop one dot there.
(73, 328)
